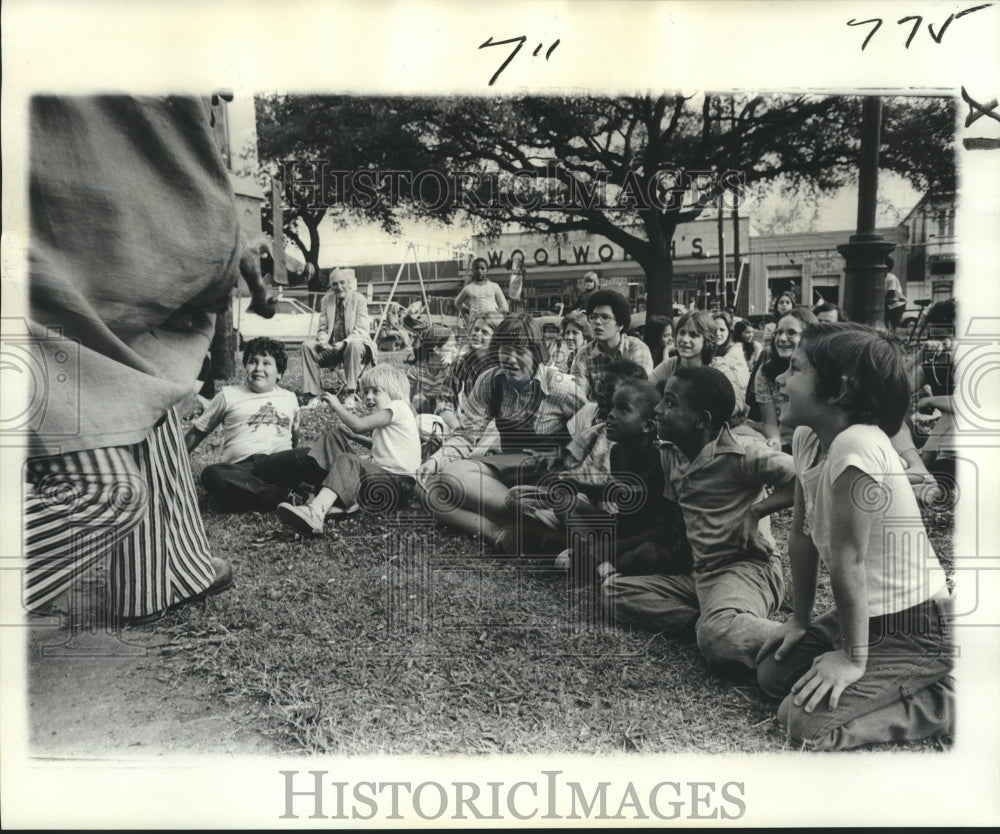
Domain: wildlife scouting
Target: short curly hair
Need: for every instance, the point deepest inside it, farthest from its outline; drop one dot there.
(616, 301)
(708, 390)
(263, 346)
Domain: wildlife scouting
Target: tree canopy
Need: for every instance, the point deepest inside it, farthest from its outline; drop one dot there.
(630, 168)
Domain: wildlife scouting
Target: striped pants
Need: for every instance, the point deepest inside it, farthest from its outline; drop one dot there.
(136, 504)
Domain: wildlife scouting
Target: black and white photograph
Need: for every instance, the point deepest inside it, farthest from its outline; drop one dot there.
(572, 414)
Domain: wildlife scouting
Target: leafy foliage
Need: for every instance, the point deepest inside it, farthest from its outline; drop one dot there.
(653, 162)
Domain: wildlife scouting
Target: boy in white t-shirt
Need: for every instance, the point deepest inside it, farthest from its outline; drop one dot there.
(382, 483)
(258, 419)
(877, 667)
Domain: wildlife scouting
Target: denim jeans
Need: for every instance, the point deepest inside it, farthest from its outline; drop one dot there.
(905, 694)
(728, 608)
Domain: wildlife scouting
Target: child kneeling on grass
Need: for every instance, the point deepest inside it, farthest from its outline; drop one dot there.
(718, 478)
(387, 479)
(876, 667)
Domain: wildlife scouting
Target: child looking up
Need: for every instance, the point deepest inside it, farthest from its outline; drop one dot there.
(649, 535)
(875, 667)
(394, 441)
(718, 478)
(428, 369)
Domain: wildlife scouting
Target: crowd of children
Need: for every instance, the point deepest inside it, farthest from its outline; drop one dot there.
(651, 483)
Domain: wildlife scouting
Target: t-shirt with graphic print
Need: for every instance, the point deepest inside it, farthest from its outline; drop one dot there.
(252, 424)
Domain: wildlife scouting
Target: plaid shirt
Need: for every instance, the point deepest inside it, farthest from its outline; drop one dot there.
(551, 396)
(591, 362)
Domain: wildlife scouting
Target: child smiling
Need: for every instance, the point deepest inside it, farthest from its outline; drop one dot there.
(880, 659)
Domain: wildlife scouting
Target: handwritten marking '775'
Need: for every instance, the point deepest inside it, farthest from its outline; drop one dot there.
(520, 42)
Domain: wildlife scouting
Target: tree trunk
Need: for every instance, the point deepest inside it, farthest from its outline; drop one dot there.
(224, 344)
(659, 269)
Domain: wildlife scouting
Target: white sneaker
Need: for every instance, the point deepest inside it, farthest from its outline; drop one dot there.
(303, 519)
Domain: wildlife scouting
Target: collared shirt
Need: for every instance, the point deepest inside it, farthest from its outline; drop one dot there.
(552, 398)
(591, 361)
(716, 489)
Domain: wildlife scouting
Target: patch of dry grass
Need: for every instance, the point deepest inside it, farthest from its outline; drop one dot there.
(394, 635)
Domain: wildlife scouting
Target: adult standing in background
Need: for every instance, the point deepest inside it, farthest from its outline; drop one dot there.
(342, 339)
(895, 301)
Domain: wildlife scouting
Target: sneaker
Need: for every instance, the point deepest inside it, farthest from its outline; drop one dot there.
(341, 512)
(303, 519)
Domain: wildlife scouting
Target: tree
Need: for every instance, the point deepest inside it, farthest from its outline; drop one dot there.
(630, 169)
(352, 134)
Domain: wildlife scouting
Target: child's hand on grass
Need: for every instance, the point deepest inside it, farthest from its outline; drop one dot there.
(831, 673)
(781, 641)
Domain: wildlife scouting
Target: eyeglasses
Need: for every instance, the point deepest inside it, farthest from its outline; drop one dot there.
(600, 318)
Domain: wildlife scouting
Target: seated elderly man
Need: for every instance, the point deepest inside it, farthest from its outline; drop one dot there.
(342, 338)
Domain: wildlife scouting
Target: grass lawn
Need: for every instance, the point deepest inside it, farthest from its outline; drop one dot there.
(394, 635)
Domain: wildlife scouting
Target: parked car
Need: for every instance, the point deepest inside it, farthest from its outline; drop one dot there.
(293, 322)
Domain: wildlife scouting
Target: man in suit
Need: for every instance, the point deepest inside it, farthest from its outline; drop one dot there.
(342, 338)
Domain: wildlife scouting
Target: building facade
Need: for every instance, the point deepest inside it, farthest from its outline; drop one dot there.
(807, 264)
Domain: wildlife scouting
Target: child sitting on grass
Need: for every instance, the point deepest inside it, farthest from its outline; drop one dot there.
(718, 478)
(649, 535)
(258, 419)
(582, 465)
(427, 371)
(875, 667)
(389, 429)
(467, 368)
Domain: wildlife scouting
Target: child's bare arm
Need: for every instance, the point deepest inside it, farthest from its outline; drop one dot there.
(834, 671)
(366, 422)
(779, 499)
(769, 423)
(804, 562)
